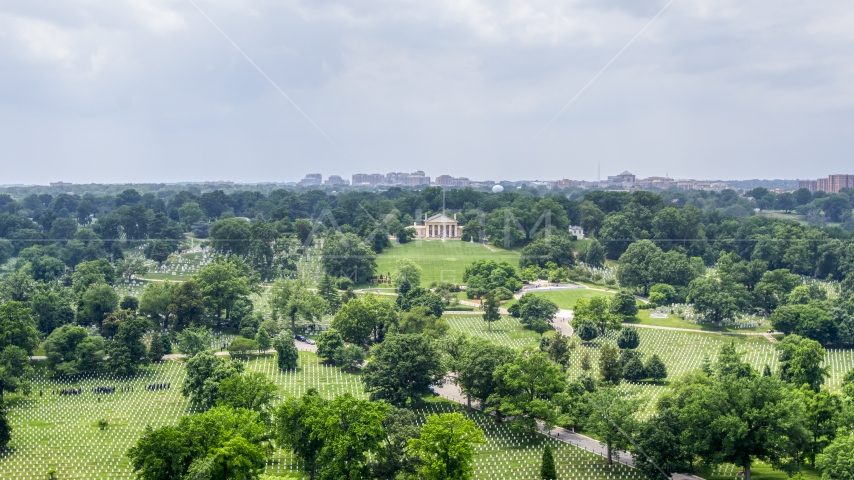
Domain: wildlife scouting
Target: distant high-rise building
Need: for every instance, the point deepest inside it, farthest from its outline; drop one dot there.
(396, 178)
(810, 185)
(416, 179)
(311, 179)
(831, 184)
(449, 181)
(60, 184)
(336, 180)
(372, 179)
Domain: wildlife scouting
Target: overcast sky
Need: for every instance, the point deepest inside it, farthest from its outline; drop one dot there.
(151, 91)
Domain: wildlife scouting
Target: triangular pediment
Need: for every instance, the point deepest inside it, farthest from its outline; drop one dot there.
(440, 218)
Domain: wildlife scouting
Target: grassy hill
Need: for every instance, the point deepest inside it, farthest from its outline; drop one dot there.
(441, 261)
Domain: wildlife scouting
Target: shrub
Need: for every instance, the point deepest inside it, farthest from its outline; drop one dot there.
(241, 347)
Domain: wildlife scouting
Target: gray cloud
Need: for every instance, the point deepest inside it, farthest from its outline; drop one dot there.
(147, 90)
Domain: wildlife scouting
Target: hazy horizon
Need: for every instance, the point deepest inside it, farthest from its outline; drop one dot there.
(151, 91)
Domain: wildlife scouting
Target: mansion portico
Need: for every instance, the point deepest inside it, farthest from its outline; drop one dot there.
(438, 226)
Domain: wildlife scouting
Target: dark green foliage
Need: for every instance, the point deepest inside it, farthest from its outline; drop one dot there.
(328, 342)
(555, 248)
(230, 235)
(222, 284)
(658, 445)
(394, 459)
(362, 317)
(5, 427)
(486, 275)
(644, 264)
(536, 309)
(587, 330)
(298, 428)
(287, 356)
(612, 418)
(548, 471)
(730, 364)
(835, 461)
(410, 298)
(476, 368)
(155, 349)
(332, 438)
(610, 369)
(194, 340)
(98, 301)
(349, 357)
(14, 370)
(70, 351)
(526, 388)
(633, 370)
(421, 320)
(655, 368)
(127, 351)
(129, 303)
(801, 362)
(717, 300)
(491, 306)
(51, 309)
(624, 303)
(17, 327)
(560, 349)
(401, 369)
(262, 339)
(768, 420)
(205, 371)
(595, 254)
(187, 307)
(807, 321)
(327, 289)
(252, 391)
(241, 347)
(346, 255)
(628, 338)
(220, 443)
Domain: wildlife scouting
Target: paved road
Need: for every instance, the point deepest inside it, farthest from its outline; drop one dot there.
(452, 392)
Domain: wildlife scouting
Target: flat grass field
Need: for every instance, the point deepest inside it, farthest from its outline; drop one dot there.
(441, 261)
(566, 299)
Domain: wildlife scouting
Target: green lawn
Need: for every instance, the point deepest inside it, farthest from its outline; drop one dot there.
(441, 261)
(566, 298)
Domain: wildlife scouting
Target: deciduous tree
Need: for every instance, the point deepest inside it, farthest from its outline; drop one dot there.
(401, 369)
(526, 387)
(287, 355)
(446, 446)
(612, 419)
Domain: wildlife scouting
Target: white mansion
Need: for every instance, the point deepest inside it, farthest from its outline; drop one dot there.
(438, 226)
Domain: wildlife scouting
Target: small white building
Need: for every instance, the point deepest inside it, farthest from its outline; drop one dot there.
(577, 231)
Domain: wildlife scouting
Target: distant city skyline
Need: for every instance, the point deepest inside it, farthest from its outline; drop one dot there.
(151, 91)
